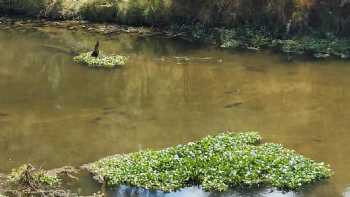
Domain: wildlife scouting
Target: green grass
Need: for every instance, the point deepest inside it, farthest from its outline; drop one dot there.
(215, 162)
(103, 61)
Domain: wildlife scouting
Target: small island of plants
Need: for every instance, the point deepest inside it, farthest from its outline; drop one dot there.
(102, 61)
(215, 162)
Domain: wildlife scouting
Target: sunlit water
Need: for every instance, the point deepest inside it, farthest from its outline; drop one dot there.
(54, 112)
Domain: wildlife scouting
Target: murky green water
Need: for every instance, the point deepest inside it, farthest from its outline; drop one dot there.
(54, 112)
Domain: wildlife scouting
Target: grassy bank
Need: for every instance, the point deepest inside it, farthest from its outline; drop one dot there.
(317, 28)
(292, 16)
(216, 163)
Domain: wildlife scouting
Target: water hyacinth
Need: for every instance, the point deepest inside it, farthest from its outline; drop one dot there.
(103, 61)
(215, 162)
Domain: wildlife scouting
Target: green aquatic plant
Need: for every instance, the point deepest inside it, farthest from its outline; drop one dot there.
(251, 37)
(216, 162)
(26, 177)
(291, 46)
(102, 61)
(318, 47)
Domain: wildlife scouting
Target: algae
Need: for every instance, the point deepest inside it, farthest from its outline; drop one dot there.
(215, 162)
(102, 61)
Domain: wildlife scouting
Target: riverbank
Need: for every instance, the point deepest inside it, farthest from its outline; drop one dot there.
(73, 25)
(246, 37)
(293, 27)
(293, 16)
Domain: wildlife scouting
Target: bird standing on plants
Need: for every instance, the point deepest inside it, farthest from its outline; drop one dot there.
(96, 51)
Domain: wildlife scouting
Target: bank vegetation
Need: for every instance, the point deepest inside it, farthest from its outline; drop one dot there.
(311, 27)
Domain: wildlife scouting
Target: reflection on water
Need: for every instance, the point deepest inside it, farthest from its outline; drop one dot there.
(124, 191)
(54, 112)
(347, 192)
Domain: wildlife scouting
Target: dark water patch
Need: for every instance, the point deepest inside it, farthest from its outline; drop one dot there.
(236, 104)
(4, 114)
(96, 120)
(109, 108)
(259, 69)
(109, 112)
(83, 184)
(233, 92)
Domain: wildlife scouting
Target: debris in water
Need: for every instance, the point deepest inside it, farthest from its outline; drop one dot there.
(234, 105)
(4, 114)
(28, 179)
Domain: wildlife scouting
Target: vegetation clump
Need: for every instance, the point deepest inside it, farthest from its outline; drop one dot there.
(256, 38)
(317, 47)
(102, 61)
(27, 178)
(216, 162)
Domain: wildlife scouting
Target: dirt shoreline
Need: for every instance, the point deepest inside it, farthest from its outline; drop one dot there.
(103, 28)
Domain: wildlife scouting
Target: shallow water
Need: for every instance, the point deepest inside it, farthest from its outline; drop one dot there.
(54, 112)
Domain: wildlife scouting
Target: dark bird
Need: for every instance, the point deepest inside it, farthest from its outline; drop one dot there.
(96, 51)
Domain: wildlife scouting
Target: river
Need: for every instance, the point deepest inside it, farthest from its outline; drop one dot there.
(54, 112)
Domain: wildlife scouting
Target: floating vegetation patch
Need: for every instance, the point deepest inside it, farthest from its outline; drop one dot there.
(216, 162)
(102, 61)
(27, 178)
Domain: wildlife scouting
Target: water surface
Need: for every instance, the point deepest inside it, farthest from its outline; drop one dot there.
(54, 112)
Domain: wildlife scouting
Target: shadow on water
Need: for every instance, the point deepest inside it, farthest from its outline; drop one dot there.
(54, 112)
